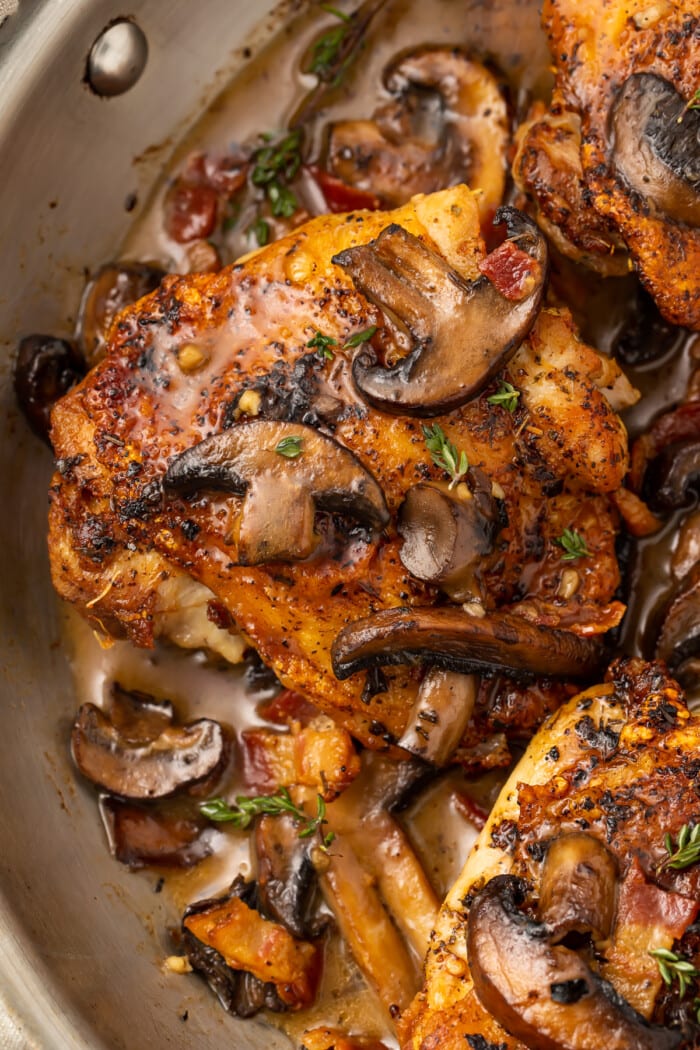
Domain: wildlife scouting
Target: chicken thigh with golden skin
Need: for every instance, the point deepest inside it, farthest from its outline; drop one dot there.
(234, 357)
(630, 72)
(545, 940)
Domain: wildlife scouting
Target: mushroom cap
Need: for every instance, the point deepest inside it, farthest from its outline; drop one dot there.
(178, 758)
(462, 332)
(285, 471)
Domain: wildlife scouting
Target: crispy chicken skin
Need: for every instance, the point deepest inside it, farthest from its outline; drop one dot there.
(618, 763)
(596, 48)
(206, 352)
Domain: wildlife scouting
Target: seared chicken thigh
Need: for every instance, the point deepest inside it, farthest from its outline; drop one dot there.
(256, 368)
(578, 890)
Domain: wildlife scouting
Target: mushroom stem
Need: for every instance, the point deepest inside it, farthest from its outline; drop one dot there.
(364, 922)
(578, 889)
(452, 639)
(440, 715)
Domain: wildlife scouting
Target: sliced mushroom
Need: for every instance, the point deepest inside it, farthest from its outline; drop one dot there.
(656, 146)
(113, 287)
(281, 494)
(286, 877)
(445, 536)
(578, 887)
(451, 638)
(178, 758)
(162, 834)
(441, 713)
(462, 332)
(138, 716)
(679, 637)
(545, 995)
(45, 369)
(447, 123)
(675, 475)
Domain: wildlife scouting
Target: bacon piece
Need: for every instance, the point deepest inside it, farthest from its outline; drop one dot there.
(320, 756)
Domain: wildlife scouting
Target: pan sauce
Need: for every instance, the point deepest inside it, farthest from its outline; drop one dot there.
(263, 98)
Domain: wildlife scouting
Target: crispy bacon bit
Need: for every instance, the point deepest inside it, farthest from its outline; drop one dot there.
(638, 519)
(339, 196)
(265, 949)
(647, 917)
(511, 271)
(190, 212)
(218, 614)
(320, 756)
(467, 807)
(288, 707)
(326, 1038)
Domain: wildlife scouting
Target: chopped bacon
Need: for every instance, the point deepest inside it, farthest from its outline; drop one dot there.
(339, 196)
(648, 917)
(470, 809)
(510, 270)
(265, 949)
(320, 756)
(190, 212)
(288, 707)
(326, 1038)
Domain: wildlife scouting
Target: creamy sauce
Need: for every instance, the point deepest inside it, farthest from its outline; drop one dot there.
(264, 98)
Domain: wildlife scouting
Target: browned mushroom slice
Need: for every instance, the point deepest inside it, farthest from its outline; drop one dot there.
(578, 888)
(111, 289)
(657, 146)
(442, 710)
(162, 834)
(451, 638)
(462, 332)
(542, 994)
(444, 536)
(447, 123)
(285, 875)
(679, 637)
(178, 758)
(285, 471)
(674, 476)
(45, 369)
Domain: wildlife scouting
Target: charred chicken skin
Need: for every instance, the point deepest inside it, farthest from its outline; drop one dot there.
(254, 433)
(576, 892)
(628, 74)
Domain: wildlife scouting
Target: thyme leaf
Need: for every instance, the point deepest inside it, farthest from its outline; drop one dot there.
(444, 454)
(289, 447)
(506, 396)
(322, 344)
(360, 337)
(675, 967)
(686, 851)
(247, 808)
(573, 544)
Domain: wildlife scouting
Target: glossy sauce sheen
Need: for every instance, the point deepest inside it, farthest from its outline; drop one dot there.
(260, 100)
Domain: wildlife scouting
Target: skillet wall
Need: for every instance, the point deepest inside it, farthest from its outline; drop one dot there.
(81, 940)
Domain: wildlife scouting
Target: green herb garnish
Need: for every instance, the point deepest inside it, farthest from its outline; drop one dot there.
(322, 344)
(277, 161)
(674, 967)
(290, 447)
(573, 544)
(246, 809)
(360, 337)
(686, 851)
(506, 396)
(261, 231)
(444, 454)
(282, 201)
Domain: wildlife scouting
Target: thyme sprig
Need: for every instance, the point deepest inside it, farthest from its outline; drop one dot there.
(686, 850)
(573, 544)
(246, 808)
(275, 165)
(506, 396)
(360, 337)
(674, 967)
(322, 345)
(444, 453)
